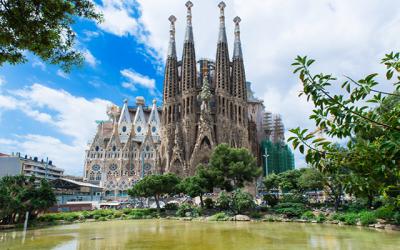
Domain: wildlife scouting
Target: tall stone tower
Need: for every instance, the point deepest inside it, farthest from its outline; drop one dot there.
(205, 107)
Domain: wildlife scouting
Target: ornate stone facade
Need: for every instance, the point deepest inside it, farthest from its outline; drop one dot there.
(205, 107)
(125, 148)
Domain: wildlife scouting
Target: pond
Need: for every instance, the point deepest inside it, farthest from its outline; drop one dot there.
(188, 235)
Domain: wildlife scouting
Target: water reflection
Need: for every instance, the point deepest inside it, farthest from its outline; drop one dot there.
(162, 234)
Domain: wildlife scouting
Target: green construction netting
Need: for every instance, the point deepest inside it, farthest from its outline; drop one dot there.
(279, 157)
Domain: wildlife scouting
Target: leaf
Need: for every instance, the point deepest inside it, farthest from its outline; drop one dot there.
(301, 149)
(389, 74)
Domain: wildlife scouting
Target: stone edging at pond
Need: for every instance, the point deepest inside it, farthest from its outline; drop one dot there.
(215, 217)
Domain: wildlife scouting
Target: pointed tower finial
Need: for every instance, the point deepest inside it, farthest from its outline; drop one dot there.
(222, 33)
(237, 51)
(172, 47)
(189, 29)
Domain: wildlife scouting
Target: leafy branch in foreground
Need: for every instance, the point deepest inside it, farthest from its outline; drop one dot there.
(366, 118)
(43, 28)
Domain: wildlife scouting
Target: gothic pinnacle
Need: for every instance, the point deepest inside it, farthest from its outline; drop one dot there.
(237, 51)
(222, 33)
(189, 29)
(171, 48)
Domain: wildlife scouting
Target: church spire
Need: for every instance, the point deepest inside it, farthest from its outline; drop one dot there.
(171, 67)
(172, 47)
(238, 73)
(222, 32)
(237, 51)
(189, 29)
(188, 55)
(222, 63)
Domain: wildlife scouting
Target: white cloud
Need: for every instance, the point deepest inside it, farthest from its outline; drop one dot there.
(118, 18)
(89, 58)
(69, 115)
(62, 74)
(133, 78)
(89, 35)
(39, 64)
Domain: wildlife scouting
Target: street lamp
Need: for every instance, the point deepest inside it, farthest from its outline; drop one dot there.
(266, 162)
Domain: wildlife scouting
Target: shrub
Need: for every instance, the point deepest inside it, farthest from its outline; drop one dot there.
(356, 206)
(224, 201)
(293, 198)
(256, 215)
(171, 206)
(308, 215)
(103, 212)
(386, 213)
(219, 217)
(321, 218)
(209, 203)
(242, 201)
(290, 209)
(183, 209)
(118, 214)
(86, 214)
(367, 218)
(196, 211)
(270, 199)
(350, 218)
(396, 218)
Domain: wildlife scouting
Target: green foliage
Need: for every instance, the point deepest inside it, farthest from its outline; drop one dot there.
(311, 180)
(43, 28)
(271, 182)
(385, 212)
(194, 186)
(367, 218)
(369, 164)
(271, 199)
(171, 206)
(349, 218)
(308, 215)
(256, 215)
(155, 186)
(241, 201)
(224, 201)
(101, 215)
(20, 194)
(289, 180)
(396, 217)
(209, 203)
(185, 209)
(321, 218)
(290, 209)
(232, 167)
(294, 198)
(219, 217)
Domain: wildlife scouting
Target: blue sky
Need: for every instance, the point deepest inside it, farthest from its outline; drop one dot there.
(47, 113)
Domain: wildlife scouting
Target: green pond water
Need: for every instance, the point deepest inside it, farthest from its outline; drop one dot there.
(187, 235)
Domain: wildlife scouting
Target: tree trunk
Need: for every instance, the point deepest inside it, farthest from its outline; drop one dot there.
(157, 202)
(370, 199)
(201, 201)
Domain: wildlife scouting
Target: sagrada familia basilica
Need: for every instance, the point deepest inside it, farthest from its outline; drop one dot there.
(205, 103)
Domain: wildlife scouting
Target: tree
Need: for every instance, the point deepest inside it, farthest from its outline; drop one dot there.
(194, 186)
(289, 181)
(241, 201)
(311, 180)
(271, 182)
(43, 28)
(155, 186)
(233, 167)
(20, 194)
(371, 157)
